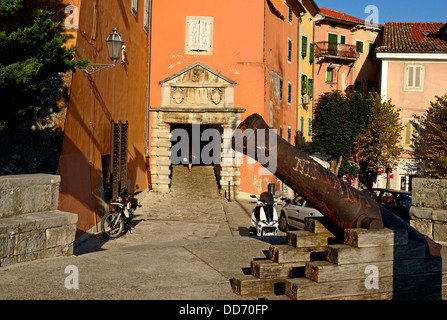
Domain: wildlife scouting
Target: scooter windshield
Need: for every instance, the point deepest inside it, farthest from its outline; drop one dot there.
(268, 210)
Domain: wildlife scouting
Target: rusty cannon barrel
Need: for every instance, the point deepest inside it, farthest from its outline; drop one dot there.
(345, 206)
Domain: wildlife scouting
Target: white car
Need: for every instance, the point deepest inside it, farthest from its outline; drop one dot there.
(295, 211)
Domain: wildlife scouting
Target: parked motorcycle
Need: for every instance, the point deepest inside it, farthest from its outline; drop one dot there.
(119, 219)
(264, 219)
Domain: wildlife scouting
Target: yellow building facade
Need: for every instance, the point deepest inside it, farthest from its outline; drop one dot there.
(306, 57)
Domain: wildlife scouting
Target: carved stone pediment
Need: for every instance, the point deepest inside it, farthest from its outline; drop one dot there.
(198, 86)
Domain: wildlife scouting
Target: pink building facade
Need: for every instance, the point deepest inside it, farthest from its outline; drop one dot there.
(414, 72)
(344, 52)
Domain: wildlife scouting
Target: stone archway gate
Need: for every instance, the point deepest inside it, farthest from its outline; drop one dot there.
(196, 94)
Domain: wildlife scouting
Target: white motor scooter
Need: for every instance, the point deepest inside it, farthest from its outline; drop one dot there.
(264, 219)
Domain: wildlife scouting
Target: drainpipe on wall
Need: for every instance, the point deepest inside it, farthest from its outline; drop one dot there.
(148, 84)
(298, 82)
(318, 17)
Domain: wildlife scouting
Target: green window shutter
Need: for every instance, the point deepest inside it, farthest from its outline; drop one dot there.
(303, 84)
(372, 48)
(310, 87)
(359, 46)
(311, 53)
(304, 46)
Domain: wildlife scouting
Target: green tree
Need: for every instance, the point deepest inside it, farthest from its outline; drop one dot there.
(338, 119)
(8, 7)
(378, 143)
(29, 56)
(434, 122)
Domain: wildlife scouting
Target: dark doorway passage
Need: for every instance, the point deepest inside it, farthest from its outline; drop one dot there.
(205, 173)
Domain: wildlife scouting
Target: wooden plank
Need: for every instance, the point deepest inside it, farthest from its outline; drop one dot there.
(286, 253)
(281, 297)
(304, 239)
(372, 238)
(267, 269)
(344, 254)
(324, 271)
(422, 294)
(315, 226)
(413, 285)
(251, 286)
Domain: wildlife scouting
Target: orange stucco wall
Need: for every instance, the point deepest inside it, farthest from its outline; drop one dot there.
(249, 41)
(111, 94)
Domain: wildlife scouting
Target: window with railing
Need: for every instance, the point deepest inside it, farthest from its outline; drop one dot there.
(334, 49)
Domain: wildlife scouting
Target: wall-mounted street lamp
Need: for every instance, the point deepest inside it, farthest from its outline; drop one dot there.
(116, 49)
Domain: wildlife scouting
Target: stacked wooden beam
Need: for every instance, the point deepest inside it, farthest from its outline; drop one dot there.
(268, 276)
(369, 264)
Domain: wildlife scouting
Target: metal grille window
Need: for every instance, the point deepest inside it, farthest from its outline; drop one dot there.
(119, 157)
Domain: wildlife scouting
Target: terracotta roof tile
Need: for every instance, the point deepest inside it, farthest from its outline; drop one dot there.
(414, 37)
(340, 15)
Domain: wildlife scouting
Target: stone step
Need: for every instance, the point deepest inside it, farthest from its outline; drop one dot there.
(23, 194)
(36, 235)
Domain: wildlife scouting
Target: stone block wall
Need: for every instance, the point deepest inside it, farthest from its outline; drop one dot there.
(31, 227)
(429, 208)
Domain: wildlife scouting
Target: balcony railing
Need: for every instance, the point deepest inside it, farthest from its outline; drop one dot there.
(336, 50)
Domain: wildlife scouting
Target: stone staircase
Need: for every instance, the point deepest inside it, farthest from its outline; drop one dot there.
(31, 227)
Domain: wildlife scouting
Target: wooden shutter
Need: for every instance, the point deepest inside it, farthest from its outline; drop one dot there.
(359, 46)
(193, 35)
(205, 35)
(417, 77)
(310, 87)
(304, 46)
(311, 53)
(332, 44)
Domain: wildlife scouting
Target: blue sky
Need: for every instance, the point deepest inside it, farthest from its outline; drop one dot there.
(392, 10)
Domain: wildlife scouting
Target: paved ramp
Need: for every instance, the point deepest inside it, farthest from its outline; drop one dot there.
(199, 183)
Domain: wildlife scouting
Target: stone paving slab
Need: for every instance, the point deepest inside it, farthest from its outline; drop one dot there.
(162, 259)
